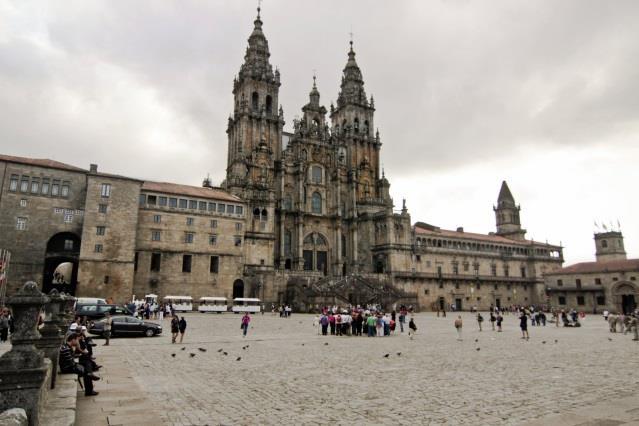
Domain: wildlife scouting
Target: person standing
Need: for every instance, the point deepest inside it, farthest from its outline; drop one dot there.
(500, 319)
(458, 327)
(175, 328)
(161, 312)
(331, 323)
(523, 324)
(402, 319)
(246, 319)
(492, 319)
(324, 323)
(480, 319)
(108, 322)
(412, 328)
(182, 328)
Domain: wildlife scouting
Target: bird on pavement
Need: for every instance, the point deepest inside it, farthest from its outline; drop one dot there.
(386, 356)
(192, 354)
(220, 350)
(238, 358)
(173, 355)
(184, 348)
(399, 354)
(201, 349)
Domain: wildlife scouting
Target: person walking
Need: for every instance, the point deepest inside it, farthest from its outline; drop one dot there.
(458, 327)
(480, 319)
(412, 328)
(500, 319)
(108, 322)
(175, 328)
(492, 319)
(402, 319)
(182, 328)
(523, 324)
(246, 319)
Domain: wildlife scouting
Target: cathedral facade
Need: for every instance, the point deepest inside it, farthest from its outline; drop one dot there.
(303, 217)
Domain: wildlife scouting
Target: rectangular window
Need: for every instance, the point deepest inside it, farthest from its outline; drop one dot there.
(601, 300)
(135, 261)
(418, 258)
(239, 210)
(238, 241)
(186, 263)
(106, 279)
(476, 268)
(580, 301)
(230, 209)
(478, 286)
(189, 221)
(68, 217)
(98, 248)
(308, 260)
(157, 218)
(214, 224)
(183, 203)
(142, 199)
(13, 183)
(188, 237)
(212, 207)
(58, 210)
(68, 245)
(35, 186)
(151, 200)
(21, 224)
(202, 205)
(102, 208)
(560, 283)
(192, 204)
(466, 267)
(316, 174)
(23, 202)
(506, 271)
(214, 266)
(172, 202)
(523, 271)
(55, 188)
(578, 283)
(598, 281)
(455, 269)
(100, 230)
(162, 201)
(221, 208)
(439, 271)
(156, 262)
(212, 239)
(45, 187)
(493, 270)
(156, 235)
(65, 189)
(106, 190)
(238, 227)
(24, 184)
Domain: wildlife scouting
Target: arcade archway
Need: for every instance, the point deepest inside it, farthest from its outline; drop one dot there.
(61, 263)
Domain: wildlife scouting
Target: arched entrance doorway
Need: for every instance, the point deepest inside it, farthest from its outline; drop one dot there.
(625, 297)
(238, 289)
(315, 253)
(61, 263)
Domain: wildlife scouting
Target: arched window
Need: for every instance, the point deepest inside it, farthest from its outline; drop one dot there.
(343, 245)
(356, 125)
(316, 174)
(256, 213)
(316, 203)
(315, 253)
(264, 214)
(269, 104)
(287, 243)
(255, 101)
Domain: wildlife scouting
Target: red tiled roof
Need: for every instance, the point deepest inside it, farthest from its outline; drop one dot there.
(191, 191)
(41, 162)
(628, 265)
(445, 233)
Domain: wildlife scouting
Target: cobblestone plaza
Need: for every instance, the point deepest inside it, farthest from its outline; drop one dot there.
(289, 374)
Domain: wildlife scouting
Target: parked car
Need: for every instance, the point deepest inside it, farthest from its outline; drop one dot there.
(97, 311)
(127, 326)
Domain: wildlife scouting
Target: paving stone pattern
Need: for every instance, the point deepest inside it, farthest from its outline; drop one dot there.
(289, 375)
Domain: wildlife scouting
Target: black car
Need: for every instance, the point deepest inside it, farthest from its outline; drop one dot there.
(127, 326)
(96, 311)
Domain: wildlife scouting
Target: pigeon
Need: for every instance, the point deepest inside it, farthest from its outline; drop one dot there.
(478, 349)
(225, 353)
(238, 358)
(399, 354)
(184, 348)
(302, 344)
(173, 355)
(201, 349)
(543, 342)
(609, 339)
(243, 348)
(386, 356)
(220, 350)
(326, 344)
(476, 340)
(192, 354)
(556, 340)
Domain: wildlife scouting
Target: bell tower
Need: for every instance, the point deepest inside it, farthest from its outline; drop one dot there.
(507, 215)
(255, 132)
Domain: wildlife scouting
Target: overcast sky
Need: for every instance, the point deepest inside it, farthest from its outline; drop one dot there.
(543, 94)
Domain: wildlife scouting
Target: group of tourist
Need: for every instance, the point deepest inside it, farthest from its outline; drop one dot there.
(621, 323)
(362, 322)
(78, 344)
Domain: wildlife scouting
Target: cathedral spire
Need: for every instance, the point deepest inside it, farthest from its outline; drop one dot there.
(352, 87)
(256, 60)
(314, 95)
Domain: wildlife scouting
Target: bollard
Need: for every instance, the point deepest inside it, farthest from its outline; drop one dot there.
(22, 369)
(52, 333)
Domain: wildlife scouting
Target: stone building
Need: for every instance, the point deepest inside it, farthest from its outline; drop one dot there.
(304, 218)
(608, 283)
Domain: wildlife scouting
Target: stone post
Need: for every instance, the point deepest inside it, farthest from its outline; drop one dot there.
(68, 311)
(53, 331)
(22, 369)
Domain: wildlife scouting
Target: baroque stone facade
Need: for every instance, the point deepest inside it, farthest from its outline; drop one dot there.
(304, 218)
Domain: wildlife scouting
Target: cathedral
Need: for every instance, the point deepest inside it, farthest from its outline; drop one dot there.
(303, 218)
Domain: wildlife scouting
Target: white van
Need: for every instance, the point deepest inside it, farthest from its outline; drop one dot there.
(90, 301)
(180, 303)
(213, 304)
(245, 304)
